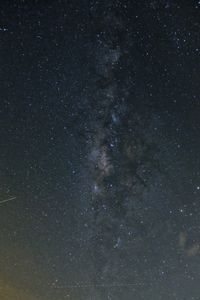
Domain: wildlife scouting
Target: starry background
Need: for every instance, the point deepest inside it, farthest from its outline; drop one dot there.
(99, 133)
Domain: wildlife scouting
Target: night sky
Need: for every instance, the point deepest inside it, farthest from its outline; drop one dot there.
(100, 150)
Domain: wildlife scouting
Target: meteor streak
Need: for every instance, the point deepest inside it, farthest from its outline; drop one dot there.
(6, 200)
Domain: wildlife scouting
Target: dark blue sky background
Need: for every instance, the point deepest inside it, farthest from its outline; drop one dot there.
(99, 143)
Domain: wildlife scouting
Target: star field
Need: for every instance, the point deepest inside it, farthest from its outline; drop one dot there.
(100, 180)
